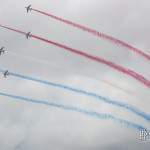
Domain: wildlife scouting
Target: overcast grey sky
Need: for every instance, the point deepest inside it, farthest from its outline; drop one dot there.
(28, 126)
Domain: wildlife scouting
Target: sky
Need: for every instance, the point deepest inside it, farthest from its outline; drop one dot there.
(28, 125)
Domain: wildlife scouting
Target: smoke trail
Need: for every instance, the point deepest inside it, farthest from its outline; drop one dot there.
(87, 93)
(126, 71)
(96, 33)
(43, 62)
(15, 30)
(76, 109)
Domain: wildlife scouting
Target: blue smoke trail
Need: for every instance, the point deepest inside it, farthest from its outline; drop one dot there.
(87, 93)
(77, 109)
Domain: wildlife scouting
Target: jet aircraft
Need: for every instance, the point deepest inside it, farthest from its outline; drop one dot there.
(28, 35)
(28, 8)
(2, 51)
(6, 73)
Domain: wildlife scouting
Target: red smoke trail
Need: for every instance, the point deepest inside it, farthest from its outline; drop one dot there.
(94, 58)
(100, 60)
(15, 30)
(96, 33)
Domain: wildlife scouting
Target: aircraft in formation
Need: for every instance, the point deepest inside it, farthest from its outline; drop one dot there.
(28, 8)
(2, 51)
(28, 35)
